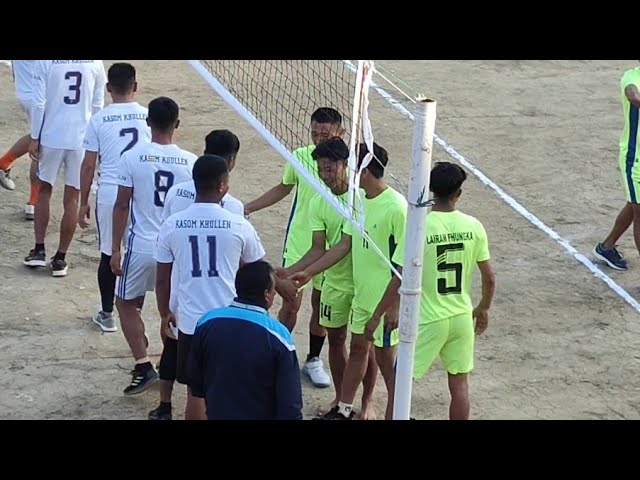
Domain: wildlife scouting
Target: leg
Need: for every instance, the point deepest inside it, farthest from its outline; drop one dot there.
(29, 208)
(368, 386)
(167, 373)
(107, 285)
(338, 356)
(386, 357)
(195, 408)
(313, 366)
(68, 226)
(457, 358)
(607, 251)
(41, 221)
(354, 373)
(459, 389)
(7, 160)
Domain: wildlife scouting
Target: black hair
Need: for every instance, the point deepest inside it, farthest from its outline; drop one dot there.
(121, 77)
(253, 279)
(327, 115)
(163, 113)
(446, 179)
(223, 143)
(332, 149)
(379, 161)
(209, 171)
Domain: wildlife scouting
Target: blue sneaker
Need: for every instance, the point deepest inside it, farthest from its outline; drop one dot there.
(611, 257)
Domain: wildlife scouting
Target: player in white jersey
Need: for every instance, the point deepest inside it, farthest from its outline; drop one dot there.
(65, 95)
(203, 245)
(111, 132)
(23, 81)
(147, 172)
(225, 144)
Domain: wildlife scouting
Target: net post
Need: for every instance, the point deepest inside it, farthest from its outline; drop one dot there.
(411, 286)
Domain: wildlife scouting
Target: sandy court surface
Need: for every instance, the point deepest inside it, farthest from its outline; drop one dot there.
(561, 344)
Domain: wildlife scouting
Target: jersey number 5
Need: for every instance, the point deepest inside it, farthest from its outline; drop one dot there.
(196, 270)
(73, 88)
(164, 181)
(444, 266)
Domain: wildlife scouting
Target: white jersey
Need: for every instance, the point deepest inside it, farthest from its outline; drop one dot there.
(23, 78)
(111, 132)
(151, 169)
(65, 95)
(182, 195)
(206, 243)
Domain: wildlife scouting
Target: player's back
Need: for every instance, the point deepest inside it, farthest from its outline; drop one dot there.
(151, 169)
(23, 78)
(455, 242)
(207, 243)
(69, 92)
(114, 130)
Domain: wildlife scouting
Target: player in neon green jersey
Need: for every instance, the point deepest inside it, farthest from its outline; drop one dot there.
(325, 123)
(385, 212)
(455, 243)
(630, 169)
(337, 288)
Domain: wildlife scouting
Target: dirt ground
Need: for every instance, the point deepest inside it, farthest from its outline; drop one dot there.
(561, 344)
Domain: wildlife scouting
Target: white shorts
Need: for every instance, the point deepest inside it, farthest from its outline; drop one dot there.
(51, 159)
(138, 276)
(25, 105)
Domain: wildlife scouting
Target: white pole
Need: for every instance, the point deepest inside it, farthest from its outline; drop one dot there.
(411, 286)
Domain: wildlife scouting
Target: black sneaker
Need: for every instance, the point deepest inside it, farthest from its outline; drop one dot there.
(36, 258)
(140, 381)
(58, 268)
(334, 414)
(160, 414)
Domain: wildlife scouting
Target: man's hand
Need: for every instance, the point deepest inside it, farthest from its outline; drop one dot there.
(481, 317)
(301, 278)
(34, 150)
(115, 264)
(165, 326)
(84, 214)
(281, 272)
(287, 289)
(391, 320)
(370, 327)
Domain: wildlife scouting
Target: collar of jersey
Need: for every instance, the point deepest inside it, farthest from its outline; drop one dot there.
(247, 306)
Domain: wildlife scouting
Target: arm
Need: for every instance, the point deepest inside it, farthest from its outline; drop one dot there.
(98, 91)
(86, 179)
(317, 250)
(481, 312)
(269, 198)
(120, 215)
(328, 260)
(288, 386)
(38, 102)
(632, 94)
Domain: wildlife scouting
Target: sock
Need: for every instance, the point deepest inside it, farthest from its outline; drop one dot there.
(39, 247)
(106, 283)
(6, 161)
(345, 409)
(165, 407)
(33, 196)
(143, 366)
(59, 256)
(315, 346)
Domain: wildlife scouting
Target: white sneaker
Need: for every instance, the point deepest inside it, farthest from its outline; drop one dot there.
(105, 321)
(314, 369)
(5, 180)
(29, 212)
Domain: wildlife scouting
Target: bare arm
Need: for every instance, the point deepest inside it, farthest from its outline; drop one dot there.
(391, 297)
(163, 288)
(120, 215)
(481, 312)
(317, 250)
(328, 260)
(632, 93)
(269, 198)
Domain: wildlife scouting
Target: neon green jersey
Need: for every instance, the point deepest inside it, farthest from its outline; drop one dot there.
(298, 234)
(324, 218)
(629, 136)
(384, 221)
(454, 244)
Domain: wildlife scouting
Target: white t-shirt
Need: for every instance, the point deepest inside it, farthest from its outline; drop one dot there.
(23, 78)
(65, 95)
(205, 243)
(151, 169)
(181, 195)
(111, 132)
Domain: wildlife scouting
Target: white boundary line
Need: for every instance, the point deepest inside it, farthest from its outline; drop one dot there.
(518, 207)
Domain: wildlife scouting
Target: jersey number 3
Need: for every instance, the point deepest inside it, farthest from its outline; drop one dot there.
(74, 88)
(444, 266)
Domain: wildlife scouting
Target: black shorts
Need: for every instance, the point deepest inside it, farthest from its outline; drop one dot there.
(169, 360)
(184, 347)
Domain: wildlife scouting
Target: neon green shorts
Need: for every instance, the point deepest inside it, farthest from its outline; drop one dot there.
(359, 319)
(335, 307)
(315, 281)
(451, 339)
